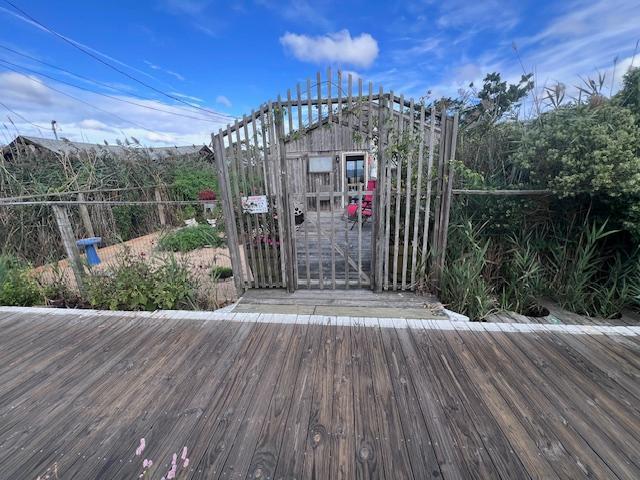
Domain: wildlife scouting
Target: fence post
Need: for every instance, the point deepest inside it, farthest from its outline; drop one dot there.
(230, 225)
(289, 240)
(163, 219)
(86, 219)
(378, 204)
(70, 247)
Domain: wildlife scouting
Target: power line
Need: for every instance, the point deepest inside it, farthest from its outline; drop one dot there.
(86, 103)
(102, 84)
(113, 67)
(107, 95)
(22, 118)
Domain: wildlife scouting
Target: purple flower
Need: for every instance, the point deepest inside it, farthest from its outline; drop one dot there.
(184, 453)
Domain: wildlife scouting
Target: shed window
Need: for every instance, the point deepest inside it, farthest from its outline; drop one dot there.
(320, 164)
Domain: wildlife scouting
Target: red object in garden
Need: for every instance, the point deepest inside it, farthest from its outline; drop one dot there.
(207, 195)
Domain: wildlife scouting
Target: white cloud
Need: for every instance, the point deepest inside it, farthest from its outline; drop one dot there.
(77, 121)
(153, 66)
(222, 100)
(338, 47)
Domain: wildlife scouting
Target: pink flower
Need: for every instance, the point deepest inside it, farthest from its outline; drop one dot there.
(185, 464)
(184, 453)
(172, 473)
(147, 463)
(174, 460)
(140, 448)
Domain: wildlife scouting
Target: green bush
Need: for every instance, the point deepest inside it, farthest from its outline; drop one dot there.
(17, 287)
(135, 284)
(189, 180)
(191, 238)
(463, 287)
(220, 273)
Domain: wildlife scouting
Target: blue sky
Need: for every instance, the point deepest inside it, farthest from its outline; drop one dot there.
(229, 57)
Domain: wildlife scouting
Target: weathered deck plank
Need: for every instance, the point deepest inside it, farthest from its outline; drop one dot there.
(323, 397)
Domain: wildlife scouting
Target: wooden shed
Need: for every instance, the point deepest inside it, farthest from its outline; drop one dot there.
(337, 187)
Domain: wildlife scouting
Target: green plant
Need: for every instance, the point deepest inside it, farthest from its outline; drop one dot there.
(220, 273)
(522, 276)
(191, 238)
(463, 287)
(189, 180)
(135, 283)
(17, 287)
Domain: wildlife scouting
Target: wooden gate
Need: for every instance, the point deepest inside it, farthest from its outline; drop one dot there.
(294, 217)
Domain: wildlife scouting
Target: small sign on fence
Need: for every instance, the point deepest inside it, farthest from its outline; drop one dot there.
(255, 204)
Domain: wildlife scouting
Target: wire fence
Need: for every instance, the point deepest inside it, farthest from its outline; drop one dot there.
(122, 249)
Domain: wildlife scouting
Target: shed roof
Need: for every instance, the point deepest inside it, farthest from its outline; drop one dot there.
(68, 147)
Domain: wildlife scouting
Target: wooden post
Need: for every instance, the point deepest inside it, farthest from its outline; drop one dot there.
(70, 247)
(230, 225)
(286, 212)
(379, 200)
(84, 214)
(163, 219)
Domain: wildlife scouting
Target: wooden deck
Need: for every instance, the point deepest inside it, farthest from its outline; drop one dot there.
(306, 400)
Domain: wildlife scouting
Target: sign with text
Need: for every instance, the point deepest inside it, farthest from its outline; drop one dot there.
(255, 204)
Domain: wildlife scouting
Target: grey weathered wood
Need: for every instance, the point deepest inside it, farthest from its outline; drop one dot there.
(397, 220)
(332, 231)
(288, 245)
(350, 99)
(251, 259)
(340, 96)
(416, 213)
(407, 212)
(267, 220)
(321, 278)
(161, 215)
(346, 234)
(319, 94)
(379, 197)
(427, 206)
(448, 194)
(274, 164)
(435, 249)
(86, 219)
(252, 169)
(388, 199)
(309, 108)
(360, 200)
(69, 243)
(329, 103)
(229, 213)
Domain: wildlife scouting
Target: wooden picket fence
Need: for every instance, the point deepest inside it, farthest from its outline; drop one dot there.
(412, 148)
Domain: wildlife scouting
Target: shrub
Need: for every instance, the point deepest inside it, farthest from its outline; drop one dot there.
(191, 238)
(220, 273)
(190, 180)
(135, 284)
(17, 287)
(463, 287)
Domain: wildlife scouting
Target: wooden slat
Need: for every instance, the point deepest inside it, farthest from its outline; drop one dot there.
(273, 166)
(388, 200)
(319, 94)
(360, 202)
(255, 175)
(229, 213)
(437, 210)
(407, 207)
(305, 226)
(319, 233)
(448, 194)
(251, 260)
(332, 231)
(329, 103)
(427, 205)
(340, 97)
(398, 200)
(270, 251)
(416, 213)
(350, 99)
(346, 235)
(289, 113)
